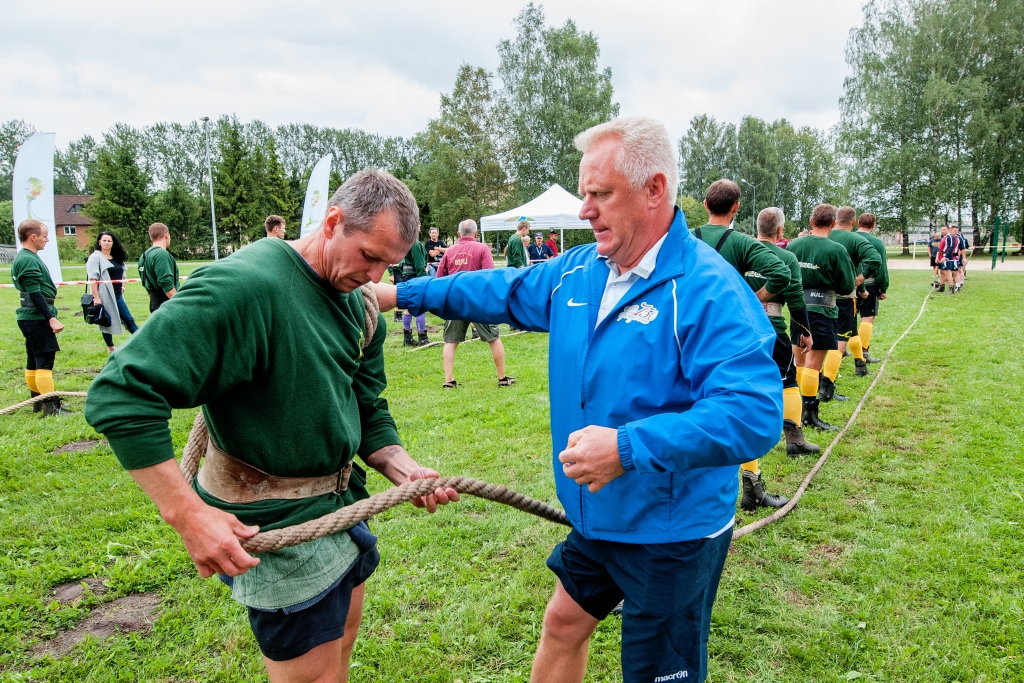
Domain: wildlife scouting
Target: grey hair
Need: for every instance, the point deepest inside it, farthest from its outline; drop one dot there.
(646, 149)
(769, 221)
(467, 228)
(371, 192)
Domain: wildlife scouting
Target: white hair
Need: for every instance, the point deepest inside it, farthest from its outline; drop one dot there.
(467, 228)
(646, 150)
(769, 221)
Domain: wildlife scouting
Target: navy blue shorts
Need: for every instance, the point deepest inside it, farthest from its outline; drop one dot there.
(668, 591)
(284, 635)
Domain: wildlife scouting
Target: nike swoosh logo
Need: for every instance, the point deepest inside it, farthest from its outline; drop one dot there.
(574, 303)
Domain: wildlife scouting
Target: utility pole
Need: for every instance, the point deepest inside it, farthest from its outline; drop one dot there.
(209, 170)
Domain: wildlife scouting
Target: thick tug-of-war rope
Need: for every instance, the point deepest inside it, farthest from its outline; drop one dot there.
(349, 515)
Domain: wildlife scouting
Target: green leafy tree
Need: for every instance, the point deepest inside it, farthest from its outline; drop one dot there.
(182, 213)
(6, 221)
(552, 89)
(709, 151)
(121, 200)
(13, 135)
(693, 209)
(234, 185)
(73, 166)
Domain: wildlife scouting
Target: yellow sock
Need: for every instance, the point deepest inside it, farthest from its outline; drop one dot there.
(792, 407)
(44, 381)
(809, 383)
(865, 331)
(750, 467)
(30, 380)
(799, 376)
(855, 348)
(833, 359)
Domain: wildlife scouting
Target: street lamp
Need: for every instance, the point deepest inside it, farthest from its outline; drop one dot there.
(753, 214)
(209, 169)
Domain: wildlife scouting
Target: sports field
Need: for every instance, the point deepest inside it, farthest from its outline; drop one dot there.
(902, 562)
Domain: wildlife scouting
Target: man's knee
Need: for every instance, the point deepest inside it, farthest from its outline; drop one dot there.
(567, 622)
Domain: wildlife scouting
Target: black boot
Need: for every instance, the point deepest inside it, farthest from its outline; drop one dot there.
(810, 416)
(826, 389)
(861, 368)
(796, 444)
(398, 316)
(868, 358)
(408, 338)
(38, 405)
(754, 495)
(424, 340)
(52, 407)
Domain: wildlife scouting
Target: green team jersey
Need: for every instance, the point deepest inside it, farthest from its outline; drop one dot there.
(882, 279)
(274, 356)
(515, 252)
(745, 254)
(415, 262)
(158, 270)
(29, 274)
(824, 264)
(865, 259)
(792, 296)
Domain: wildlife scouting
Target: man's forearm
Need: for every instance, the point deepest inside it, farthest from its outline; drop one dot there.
(394, 462)
(166, 487)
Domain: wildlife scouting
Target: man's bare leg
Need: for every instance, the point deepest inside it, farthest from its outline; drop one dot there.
(327, 663)
(448, 357)
(498, 353)
(562, 653)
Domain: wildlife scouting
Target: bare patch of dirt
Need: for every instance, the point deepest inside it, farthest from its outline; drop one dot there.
(72, 592)
(826, 553)
(797, 598)
(79, 446)
(129, 614)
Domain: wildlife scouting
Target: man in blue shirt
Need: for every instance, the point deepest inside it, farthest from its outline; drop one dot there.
(538, 251)
(661, 382)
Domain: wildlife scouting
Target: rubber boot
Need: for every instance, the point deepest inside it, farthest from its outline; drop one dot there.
(810, 416)
(398, 316)
(38, 405)
(861, 368)
(424, 340)
(826, 389)
(796, 444)
(868, 358)
(52, 407)
(408, 338)
(754, 495)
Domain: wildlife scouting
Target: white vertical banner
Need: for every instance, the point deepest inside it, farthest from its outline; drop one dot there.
(32, 192)
(317, 193)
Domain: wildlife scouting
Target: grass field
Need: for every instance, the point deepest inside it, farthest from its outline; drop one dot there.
(902, 562)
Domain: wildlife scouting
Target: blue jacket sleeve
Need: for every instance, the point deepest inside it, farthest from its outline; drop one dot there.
(737, 414)
(518, 296)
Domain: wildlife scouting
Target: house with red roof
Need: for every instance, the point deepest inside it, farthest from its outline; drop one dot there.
(69, 219)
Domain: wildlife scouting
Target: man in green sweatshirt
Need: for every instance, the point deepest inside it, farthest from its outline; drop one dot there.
(876, 287)
(290, 386)
(37, 316)
(515, 252)
(157, 268)
(827, 273)
(772, 278)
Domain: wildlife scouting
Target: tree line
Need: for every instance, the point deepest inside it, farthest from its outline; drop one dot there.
(930, 132)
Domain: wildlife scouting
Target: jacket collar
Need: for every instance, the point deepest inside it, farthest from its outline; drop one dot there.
(677, 246)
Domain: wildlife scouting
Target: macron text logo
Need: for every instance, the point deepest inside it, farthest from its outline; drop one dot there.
(673, 677)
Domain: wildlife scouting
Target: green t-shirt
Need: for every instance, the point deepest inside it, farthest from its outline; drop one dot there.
(792, 296)
(415, 262)
(30, 274)
(865, 258)
(515, 253)
(824, 264)
(274, 355)
(746, 254)
(158, 270)
(882, 279)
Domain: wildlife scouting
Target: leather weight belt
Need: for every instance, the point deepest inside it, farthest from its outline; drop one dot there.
(820, 297)
(772, 308)
(233, 481)
(26, 300)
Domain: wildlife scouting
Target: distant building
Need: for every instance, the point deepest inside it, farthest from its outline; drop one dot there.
(69, 219)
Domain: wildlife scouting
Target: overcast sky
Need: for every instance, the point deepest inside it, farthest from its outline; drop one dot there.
(78, 67)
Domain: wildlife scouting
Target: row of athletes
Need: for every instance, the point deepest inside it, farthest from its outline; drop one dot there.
(950, 252)
(825, 278)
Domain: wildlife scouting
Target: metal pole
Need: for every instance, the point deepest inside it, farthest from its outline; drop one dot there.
(1005, 231)
(209, 170)
(995, 242)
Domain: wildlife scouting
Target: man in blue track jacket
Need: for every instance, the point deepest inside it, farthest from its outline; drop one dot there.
(664, 383)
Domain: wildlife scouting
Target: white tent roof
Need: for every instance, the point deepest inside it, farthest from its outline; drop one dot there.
(555, 208)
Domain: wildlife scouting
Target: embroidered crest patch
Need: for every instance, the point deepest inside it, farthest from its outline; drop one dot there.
(644, 313)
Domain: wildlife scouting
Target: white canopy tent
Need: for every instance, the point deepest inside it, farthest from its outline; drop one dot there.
(554, 209)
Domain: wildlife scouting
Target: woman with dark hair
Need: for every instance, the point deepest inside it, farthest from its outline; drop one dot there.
(106, 269)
